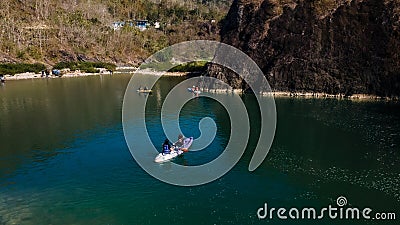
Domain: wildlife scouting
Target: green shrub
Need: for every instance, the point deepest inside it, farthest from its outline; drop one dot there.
(14, 68)
(190, 67)
(108, 66)
(196, 66)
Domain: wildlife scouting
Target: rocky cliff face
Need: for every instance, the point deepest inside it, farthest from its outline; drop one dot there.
(332, 46)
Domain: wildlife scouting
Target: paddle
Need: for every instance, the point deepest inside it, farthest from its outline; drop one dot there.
(183, 149)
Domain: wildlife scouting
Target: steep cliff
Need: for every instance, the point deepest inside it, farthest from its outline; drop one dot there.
(332, 46)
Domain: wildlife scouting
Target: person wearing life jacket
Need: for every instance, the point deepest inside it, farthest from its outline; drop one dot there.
(166, 147)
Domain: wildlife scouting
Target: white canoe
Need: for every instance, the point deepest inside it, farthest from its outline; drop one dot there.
(194, 91)
(187, 142)
(144, 91)
(166, 157)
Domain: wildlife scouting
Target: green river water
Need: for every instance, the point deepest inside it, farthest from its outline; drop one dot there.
(64, 159)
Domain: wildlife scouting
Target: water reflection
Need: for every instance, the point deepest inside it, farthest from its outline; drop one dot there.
(43, 115)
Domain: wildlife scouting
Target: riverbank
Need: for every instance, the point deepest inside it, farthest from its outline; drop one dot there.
(168, 74)
(355, 97)
(325, 95)
(132, 70)
(27, 76)
(119, 70)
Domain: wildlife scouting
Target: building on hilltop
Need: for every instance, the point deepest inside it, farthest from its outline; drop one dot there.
(118, 25)
(140, 24)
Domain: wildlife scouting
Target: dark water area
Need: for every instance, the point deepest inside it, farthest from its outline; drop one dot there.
(64, 159)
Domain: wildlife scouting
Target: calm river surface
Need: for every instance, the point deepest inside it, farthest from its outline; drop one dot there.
(64, 159)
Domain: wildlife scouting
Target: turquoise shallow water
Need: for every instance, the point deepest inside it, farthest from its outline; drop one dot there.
(64, 160)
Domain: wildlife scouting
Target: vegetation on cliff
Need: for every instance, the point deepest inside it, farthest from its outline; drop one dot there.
(50, 31)
(15, 68)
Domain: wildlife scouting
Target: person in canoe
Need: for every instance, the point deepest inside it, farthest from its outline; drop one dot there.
(180, 143)
(167, 147)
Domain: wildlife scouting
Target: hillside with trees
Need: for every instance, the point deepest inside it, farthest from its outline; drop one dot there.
(50, 31)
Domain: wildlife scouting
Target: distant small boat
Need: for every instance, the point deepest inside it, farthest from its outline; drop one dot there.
(194, 91)
(143, 91)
